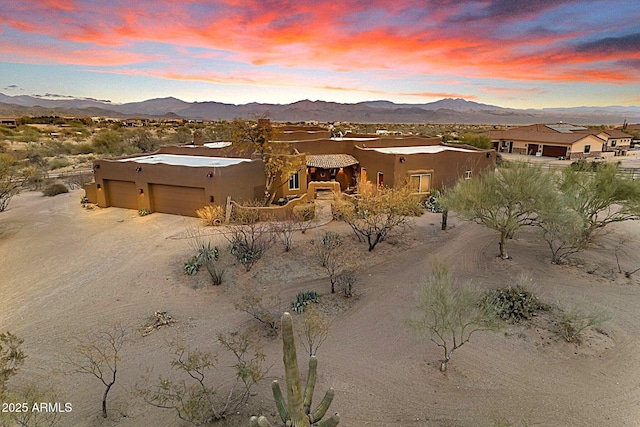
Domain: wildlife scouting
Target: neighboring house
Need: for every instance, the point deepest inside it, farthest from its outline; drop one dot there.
(181, 179)
(10, 122)
(560, 140)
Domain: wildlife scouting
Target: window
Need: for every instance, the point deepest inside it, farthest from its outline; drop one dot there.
(420, 183)
(467, 174)
(294, 181)
(613, 143)
(380, 179)
(587, 149)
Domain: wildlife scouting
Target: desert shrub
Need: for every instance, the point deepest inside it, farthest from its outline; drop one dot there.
(346, 281)
(265, 312)
(204, 254)
(201, 390)
(58, 163)
(84, 200)
(249, 242)
(304, 212)
(55, 189)
(574, 322)
(303, 299)
(330, 251)
(512, 303)
(211, 215)
(11, 357)
(144, 212)
(216, 267)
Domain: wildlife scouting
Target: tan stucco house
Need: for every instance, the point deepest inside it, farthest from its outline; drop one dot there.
(181, 179)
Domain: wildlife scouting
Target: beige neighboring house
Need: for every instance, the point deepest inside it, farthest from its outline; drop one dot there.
(561, 140)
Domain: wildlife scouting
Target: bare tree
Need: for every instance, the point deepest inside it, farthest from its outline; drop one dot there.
(314, 330)
(377, 212)
(329, 251)
(197, 398)
(11, 357)
(253, 303)
(98, 354)
(11, 179)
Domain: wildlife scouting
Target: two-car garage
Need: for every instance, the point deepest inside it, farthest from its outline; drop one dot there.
(170, 199)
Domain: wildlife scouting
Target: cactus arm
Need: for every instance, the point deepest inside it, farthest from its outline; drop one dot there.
(294, 388)
(330, 422)
(311, 383)
(280, 403)
(323, 406)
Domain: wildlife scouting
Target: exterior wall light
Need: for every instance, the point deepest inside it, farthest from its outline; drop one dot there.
(210, 175)
(141, 192)
(402, 159)
(138, 169)
(96, 166)
(488, 155)
(210, 199)
(99, 187)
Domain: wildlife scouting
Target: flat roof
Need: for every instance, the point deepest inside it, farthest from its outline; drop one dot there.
(182, 160)
(220, 144)
(420, 149)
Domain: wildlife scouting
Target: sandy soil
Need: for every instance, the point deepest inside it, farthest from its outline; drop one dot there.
(66, 271)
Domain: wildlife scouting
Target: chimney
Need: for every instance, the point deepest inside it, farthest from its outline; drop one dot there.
(197, 138)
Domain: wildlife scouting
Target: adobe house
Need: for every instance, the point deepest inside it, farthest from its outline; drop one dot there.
(560, 140)
(181, 179)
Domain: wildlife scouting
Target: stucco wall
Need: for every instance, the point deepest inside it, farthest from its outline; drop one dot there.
(243, 181)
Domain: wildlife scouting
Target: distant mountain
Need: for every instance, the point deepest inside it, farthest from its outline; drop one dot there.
(443, 111)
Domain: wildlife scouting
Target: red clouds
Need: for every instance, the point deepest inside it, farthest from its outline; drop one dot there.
(500, 39)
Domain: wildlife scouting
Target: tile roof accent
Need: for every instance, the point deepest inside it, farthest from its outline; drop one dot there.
(330, 161)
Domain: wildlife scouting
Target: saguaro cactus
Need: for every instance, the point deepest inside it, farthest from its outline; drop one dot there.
(296, 411)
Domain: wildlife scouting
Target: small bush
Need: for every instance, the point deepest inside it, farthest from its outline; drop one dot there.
(58, 163)
(305, 212)
(144, 212)
(192, 266)
(303, 300)
(211, 215)
(84, 200)
(513, 303)
(55, 189)
(574, 322)
(346, 281)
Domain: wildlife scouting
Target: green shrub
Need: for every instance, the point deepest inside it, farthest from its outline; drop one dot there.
(303, 299)
(144, 212)
(55, 189)
(58, 163)
(513, 303)
(192, 266)
(574, 322)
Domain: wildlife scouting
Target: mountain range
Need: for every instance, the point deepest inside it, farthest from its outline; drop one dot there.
(443, 111)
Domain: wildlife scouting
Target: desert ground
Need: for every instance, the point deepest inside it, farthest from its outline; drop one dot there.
(66, 272)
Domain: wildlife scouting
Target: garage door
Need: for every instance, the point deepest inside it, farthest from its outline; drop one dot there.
(176, 200)
(121, 194)
(553, 151)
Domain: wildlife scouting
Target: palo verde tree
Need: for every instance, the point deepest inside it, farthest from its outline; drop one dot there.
(448, 314)
(98, 355)
(503, 200)
(601, 196)
(280, 160)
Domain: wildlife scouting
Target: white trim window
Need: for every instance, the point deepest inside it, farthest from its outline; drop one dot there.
(294, 181)
(420, 183)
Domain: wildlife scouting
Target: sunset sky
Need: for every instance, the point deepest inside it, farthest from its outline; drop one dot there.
(512, 53)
